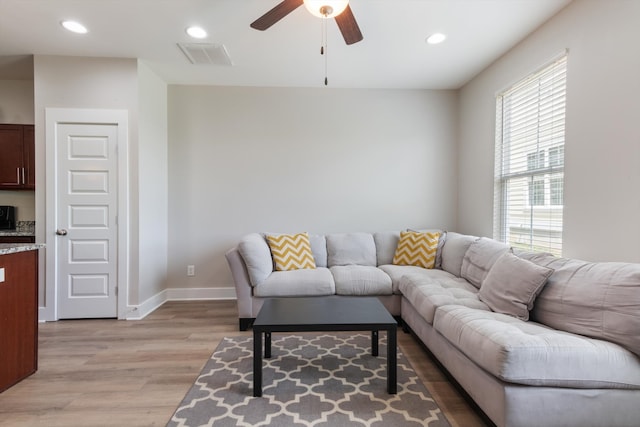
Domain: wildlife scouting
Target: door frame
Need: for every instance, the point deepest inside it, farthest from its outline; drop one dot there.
(53, 117)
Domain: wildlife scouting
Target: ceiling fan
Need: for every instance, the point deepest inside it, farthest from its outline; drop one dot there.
(338, 9)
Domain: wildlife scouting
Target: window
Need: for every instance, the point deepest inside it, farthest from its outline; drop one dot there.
(557, 191)
(556, 156)
(545, 190)
(535, 160)
(529, 168)
(536, 192)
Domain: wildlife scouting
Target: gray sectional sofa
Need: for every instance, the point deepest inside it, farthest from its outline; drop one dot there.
(534, 340)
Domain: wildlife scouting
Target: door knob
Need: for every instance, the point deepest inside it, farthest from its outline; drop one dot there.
(61, 232)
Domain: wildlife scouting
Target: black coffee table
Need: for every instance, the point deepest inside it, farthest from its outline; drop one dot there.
(324, 314)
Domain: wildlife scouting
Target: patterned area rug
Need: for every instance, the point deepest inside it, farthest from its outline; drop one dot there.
(319, 380)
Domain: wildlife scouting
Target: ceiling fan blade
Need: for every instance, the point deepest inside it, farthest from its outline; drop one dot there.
(277, 13)
(348, 26)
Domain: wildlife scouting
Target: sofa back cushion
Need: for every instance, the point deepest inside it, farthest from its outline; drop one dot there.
(453, 250)
(479, 259)
(598, 300)
(351, 249)
(386, 244)
(319, 249)
(256, 255)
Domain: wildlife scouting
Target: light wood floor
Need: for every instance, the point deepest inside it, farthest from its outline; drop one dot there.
(135, 373)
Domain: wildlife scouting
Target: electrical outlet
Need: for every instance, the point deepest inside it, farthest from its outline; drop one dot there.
(191, 270)
(1, 275)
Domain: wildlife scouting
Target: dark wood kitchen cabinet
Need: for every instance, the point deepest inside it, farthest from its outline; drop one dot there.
(17, 157)
(17, 239)
(18, 316)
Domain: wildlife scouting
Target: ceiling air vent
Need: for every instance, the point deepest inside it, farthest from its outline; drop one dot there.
(206, 53)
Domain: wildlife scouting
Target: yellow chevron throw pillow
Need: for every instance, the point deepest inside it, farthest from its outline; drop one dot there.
(417, 249)
(291, 251)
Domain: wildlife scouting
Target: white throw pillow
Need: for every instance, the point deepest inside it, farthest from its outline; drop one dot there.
(512, 285)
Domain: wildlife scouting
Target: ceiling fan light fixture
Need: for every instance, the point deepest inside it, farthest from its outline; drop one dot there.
(326, 8)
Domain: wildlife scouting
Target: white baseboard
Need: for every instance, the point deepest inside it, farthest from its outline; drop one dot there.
(43, 315)
(183, 294)
(178, 294)
(139, 312)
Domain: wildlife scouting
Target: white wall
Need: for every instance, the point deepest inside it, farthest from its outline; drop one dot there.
(245, 160)
(602, 148)
(152, 180)
(16, 101)
(24, 202)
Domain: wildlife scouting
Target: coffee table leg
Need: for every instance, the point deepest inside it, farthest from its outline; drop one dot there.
(392, 361)
(257, 363)
(267, 345)
(374, 343)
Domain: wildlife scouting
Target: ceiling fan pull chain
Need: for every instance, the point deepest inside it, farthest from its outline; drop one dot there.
(325, 50)
(322, 38)
(326, 80)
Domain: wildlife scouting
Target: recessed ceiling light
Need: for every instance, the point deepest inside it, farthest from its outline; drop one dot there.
(196, 32)
(74, 26)
(436, 38)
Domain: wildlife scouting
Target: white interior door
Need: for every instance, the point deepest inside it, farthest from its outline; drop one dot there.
(86, 226)
(83, 223)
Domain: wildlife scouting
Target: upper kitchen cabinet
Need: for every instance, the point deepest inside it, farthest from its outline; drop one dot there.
(17, 163)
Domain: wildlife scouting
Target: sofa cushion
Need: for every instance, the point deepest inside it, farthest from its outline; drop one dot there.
(397, 271)
(512, 285)
(294, 283)
(533, 354)
(257, 257)
(426, 294)
(417, 249)
(351, 249)
(479, 259)
(360, 280)
(386, 244)
(453, 250)
(599, 300)
(291, 251)
(319, 249)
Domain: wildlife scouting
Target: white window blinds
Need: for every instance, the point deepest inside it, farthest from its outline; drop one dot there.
(529, 165)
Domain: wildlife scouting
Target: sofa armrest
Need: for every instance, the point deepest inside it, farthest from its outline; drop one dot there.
(241, 281)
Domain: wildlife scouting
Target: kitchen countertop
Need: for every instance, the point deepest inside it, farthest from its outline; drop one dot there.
(11, 248)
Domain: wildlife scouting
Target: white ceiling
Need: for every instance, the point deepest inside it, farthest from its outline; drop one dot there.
(393, 53)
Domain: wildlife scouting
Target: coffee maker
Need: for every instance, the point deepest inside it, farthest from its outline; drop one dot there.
(7, 218)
